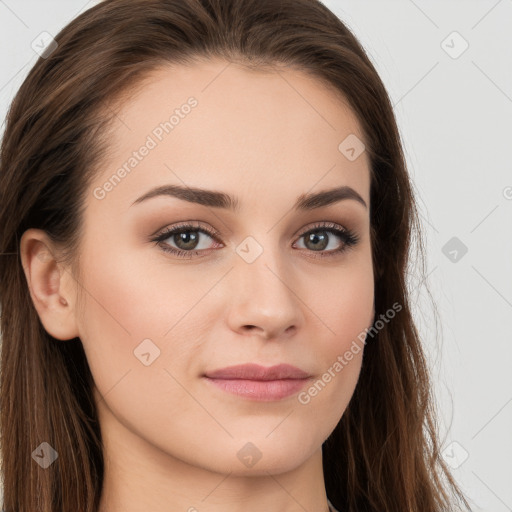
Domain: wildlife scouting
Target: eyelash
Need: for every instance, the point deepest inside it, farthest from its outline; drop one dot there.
(349, 239)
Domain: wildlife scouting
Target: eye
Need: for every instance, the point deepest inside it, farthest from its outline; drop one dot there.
(321, 239)
(189, 239)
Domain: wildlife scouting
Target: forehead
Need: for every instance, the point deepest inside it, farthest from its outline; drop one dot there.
(219, 125)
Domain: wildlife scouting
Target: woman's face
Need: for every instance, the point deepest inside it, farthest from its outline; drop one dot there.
(250, 285)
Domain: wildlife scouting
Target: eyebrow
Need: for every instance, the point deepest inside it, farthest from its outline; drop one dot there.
(216, 199)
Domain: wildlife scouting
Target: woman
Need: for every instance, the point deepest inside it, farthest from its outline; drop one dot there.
(206, 223)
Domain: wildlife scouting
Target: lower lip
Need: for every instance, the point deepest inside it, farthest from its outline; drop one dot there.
(264, 390)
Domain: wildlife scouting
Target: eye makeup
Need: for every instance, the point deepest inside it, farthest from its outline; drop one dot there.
(318, 234)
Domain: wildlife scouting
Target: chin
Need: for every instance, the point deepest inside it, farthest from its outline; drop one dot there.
(261, 456)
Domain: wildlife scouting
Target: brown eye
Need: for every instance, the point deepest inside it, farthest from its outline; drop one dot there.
(328, 240)
(318, 240)
(185, 240)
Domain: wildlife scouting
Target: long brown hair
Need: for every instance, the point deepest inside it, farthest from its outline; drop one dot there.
(384, 455)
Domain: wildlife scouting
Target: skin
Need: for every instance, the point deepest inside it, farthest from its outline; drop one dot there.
(171, 440)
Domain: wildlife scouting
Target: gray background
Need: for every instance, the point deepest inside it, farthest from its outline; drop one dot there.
(454, 110)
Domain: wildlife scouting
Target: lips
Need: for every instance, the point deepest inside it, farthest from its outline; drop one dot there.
(256, 382)
(261, 390)
(252, 371)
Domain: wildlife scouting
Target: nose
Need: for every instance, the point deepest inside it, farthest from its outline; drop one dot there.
(263, 297)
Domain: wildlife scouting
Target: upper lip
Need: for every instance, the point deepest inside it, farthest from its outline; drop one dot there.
(252, 371)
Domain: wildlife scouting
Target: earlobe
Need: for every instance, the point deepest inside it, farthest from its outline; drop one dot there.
(48, 284)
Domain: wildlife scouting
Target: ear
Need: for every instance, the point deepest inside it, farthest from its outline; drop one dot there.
(51, 286)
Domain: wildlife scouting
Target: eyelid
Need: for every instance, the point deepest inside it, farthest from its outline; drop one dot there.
(321, 225)
(188, 226)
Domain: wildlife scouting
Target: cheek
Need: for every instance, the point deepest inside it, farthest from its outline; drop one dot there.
(137, 312)
(127, 312)
(345, 305)
(345, 302)
(135, 298)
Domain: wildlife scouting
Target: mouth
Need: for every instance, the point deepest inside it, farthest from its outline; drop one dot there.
(262, 390)
(256, 382)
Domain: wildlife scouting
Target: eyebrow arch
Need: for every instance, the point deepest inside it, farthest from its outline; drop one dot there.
(215, 199)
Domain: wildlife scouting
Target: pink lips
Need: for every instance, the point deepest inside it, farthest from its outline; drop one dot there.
(258, 382)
